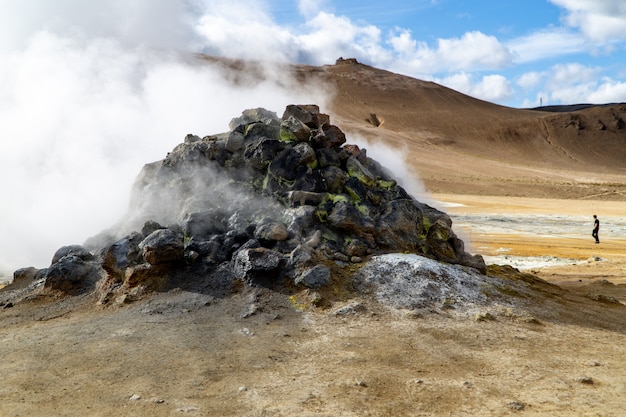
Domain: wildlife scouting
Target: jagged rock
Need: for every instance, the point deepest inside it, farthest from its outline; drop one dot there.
(234, 141)
(301, 256)
(149, 227)
(259, 154)
(346, 61)
(300, 221)
(314, 240)
(516, 405)
(473, 261)
(443, 242)
(256, 131)
(357, 170)
(400, 225)
(352, 308)
(348, 218)
(356, 190)
(308, 115)
(75, 250)
(292, 129)
(25, 274)
(306, 198)
(251, 263)
(270, 230)
(357, 248)
(314, 277)
(327, 157)
(338, 256)
(120, 255)
(162, 246)
(334, 178)
(329, 137)
(302, 154)
(72, 274)
(206, 223)
(253, 115)
(146, 276)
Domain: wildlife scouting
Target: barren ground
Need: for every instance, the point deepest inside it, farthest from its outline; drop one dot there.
(562, 354)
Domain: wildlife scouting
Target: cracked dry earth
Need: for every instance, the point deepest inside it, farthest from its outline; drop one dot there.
(562, 353)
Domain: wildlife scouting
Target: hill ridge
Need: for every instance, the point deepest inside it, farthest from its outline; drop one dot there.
(457, 143)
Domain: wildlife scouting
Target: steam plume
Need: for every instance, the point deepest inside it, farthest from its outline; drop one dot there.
(83, 107)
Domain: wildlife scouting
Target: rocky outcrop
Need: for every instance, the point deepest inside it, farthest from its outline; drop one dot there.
(74, 270)
(277, 201)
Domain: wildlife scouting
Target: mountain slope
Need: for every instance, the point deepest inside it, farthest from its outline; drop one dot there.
(461, 144)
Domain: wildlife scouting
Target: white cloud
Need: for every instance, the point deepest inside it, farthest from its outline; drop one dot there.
(598, 92)
(609, 91)
(541, 99)
(572, 73)
(330, 37)
(600, 20)
(310, 8)
(571, 83)
(494, 88)
(573, 94)
(251, 33)
(546, 43)
(530, 80)
(324, 37)
(472, 51)
(403, 43)
(575, 83)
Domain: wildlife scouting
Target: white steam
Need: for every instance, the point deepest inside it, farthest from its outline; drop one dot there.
(394, 159)
(81, 112)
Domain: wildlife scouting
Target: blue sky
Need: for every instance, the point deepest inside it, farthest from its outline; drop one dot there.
(92, 90)
(514, 53)
(509, 52)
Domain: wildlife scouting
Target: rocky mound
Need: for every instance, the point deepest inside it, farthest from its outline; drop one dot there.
(280, 202)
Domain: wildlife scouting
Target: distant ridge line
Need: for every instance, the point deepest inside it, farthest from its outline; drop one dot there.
(565, 108)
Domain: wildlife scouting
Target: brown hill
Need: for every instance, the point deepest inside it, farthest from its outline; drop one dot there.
(460, 144)
(541, 350)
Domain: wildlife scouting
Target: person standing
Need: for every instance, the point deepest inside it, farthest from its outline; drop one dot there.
(596, 228)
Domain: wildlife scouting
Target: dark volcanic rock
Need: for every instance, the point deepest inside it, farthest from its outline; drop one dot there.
(75, 250)
(206, 223)
(257, 265)
(401, 225)
(72, 274)
(121, 255)
(25, 274)
(162, 246)
(315, 277)
(274, 201)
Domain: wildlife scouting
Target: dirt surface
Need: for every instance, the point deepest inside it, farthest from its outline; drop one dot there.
(559, 353)
(562, 353)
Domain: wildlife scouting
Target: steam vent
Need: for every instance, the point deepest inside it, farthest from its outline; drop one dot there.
(280, 202)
